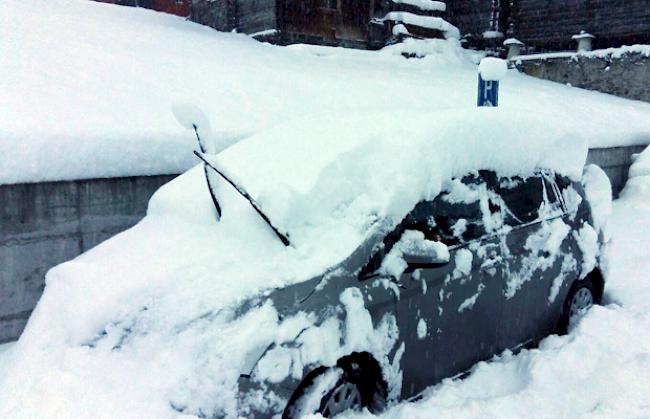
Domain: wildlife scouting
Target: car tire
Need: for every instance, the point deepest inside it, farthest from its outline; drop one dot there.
(331, 392)
(581, 297)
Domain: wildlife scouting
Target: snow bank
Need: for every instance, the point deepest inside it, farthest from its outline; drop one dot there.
(598, 190)
(77, 103)
(638, 183)
(109, 324)
(492, 69)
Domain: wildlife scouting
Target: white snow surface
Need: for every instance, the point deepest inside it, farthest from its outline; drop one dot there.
(492, 69)
(638, 184)
(428, 5)
(599, 370)
(88, 88)
(161, 291)
(429, 22)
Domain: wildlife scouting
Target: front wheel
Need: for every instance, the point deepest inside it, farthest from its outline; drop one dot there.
(331, 393)
(580, 298)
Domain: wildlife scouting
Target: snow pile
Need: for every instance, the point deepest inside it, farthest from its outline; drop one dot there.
(5, 356)
(76, 103)
(412, 242)
(598, 190)
(638, 184)
(109, 325)
(492, 69)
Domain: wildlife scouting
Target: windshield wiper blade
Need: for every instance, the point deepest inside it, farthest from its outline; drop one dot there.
(283, 238)
(213, 196)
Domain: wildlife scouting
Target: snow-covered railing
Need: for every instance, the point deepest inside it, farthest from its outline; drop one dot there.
(425, 5)
(427, 22)
(643, 50)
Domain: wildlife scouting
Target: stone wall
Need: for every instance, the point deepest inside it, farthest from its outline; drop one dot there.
(626, 75)
(44, 224)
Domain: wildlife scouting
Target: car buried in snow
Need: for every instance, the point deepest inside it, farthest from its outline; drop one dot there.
(333, 263)
(492, 263)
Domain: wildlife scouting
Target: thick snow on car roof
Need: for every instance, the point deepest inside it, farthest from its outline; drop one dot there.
(156, 292)
(343, 169)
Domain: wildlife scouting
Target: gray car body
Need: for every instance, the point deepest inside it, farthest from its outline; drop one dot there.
(465, 314)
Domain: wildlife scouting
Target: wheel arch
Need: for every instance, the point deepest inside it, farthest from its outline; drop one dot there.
(598, 282)
(362, 368)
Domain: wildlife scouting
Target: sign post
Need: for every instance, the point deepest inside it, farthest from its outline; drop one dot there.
(490, 71)
(488, 92)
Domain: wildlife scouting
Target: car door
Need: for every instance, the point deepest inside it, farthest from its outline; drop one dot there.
(449, 315)
(537, 254)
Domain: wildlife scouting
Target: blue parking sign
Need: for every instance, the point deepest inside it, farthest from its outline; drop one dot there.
(488, 92)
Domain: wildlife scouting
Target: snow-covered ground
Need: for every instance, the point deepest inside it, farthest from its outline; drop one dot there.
(87, 89)
(599, 370)
(5, 349)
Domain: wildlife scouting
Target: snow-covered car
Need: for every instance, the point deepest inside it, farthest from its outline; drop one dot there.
(383, 252)
(492, 263)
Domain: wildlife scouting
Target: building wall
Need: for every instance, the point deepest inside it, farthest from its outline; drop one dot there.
(472, 17)
(550, 23)
(44, 224)
(333, 22)
(174, 7)
(256, 15)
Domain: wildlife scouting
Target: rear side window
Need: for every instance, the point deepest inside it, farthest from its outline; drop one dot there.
(523, 198)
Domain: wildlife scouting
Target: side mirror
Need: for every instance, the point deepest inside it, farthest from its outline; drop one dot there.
(416, 250)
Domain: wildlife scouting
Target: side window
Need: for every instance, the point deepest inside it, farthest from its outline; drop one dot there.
(522, 198)
(454, 217)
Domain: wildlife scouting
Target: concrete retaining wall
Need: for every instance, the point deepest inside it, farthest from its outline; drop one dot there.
(44, 224)
(615, 162)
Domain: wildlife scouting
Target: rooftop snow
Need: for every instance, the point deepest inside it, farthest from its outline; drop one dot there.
(78, 103)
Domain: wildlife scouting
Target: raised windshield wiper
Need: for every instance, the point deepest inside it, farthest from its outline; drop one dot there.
(215, 202)
(242, 192)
